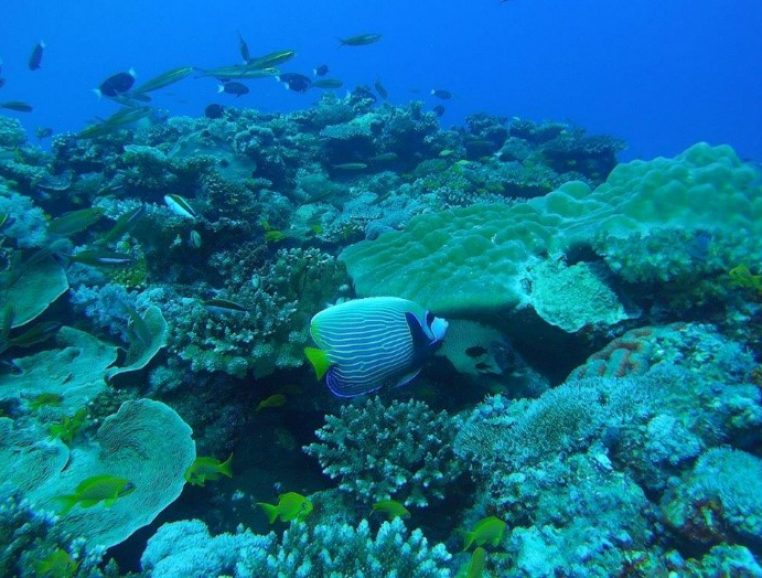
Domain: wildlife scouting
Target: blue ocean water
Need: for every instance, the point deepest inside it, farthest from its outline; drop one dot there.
(510, 329)
(661, 75)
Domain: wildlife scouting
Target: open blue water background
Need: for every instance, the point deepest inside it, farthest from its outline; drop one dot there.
(661, 74)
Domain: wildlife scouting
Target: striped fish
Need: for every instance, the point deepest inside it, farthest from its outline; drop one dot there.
(367, 344)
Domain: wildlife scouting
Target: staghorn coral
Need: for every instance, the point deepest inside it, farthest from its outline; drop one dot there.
(330, 550)
(185, 549)
(400, 451)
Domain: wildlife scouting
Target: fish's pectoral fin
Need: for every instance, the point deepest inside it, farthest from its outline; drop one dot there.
(319, 360)
(407, 378)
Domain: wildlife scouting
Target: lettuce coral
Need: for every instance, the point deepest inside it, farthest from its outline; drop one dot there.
(145, 442)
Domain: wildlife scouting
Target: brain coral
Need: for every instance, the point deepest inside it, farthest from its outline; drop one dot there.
(657, 220)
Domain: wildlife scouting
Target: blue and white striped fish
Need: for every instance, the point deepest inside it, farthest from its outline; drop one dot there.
(367, 344)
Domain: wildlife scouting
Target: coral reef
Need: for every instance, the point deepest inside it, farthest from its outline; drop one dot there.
(182, 259)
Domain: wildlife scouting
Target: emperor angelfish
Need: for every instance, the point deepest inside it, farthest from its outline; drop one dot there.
(367, 344)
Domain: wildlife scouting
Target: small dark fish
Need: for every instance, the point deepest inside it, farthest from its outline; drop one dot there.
(16, 105)
(328, 83)
(381, 89)
(2, 82)
(35, 60)
(439, 110)
(214, 111)
(224, 306)
(233, 88)
(116, 84)
(476, 351)
(243, 48)
(321, 70)
(42, 133)
(295, 81)
(441, 93)
(360, 40)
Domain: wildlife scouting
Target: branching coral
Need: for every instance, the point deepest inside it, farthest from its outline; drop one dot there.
(377, 452)
(186, 550)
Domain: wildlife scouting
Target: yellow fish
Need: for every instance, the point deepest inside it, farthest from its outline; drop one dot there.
(45, 399)
(275, 400)
(291, 506)
(476, 565)
(489, 530)
(392, 508)
(205, 468)
(57, 564)
(104, 488)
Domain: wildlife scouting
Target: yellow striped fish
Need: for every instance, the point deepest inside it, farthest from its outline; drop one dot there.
(367, 344)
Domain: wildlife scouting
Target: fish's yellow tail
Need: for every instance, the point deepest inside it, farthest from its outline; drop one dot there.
(270, 511)
(66, 503)
(226, 467)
